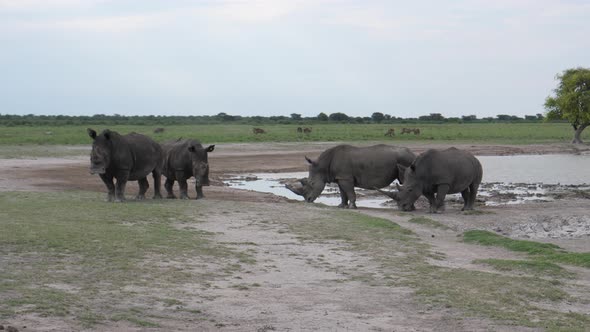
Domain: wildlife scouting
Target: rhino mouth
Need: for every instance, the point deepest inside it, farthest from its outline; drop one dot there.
(97, 170)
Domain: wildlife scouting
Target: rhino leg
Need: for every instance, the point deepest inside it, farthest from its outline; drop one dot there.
(168, 186)
(143, 187)
(441, 193)
(431, 201)
(199, 190)
(108, 181)
(343, 197)
(120, 188)
(157, 175)
(183, 186)
(465, 194)
(347, 187)
(472, 194)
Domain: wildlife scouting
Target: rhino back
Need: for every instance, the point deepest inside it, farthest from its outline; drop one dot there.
(369, 167)
(138, 153)
(454, 167)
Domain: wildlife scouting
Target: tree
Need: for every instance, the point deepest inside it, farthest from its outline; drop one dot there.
(322, 117)
(338, 117)
(468, 118)
(295, 116)
(572, 100)
(378, 117)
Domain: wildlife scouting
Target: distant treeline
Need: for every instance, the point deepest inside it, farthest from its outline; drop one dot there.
(162, 120)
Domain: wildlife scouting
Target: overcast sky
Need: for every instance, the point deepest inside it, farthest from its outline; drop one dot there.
(277, 57)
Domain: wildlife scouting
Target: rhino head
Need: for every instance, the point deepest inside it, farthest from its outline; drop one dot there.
(297, 187)
(409, 193)
(200, 163)
(401, 197)
(312, 186)
(100, 156)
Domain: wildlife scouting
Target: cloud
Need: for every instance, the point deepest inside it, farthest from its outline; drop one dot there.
(252, 11)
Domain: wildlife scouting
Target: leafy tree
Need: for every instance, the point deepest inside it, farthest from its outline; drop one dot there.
(338, 117)
(468, 118)
(572, 100)
(322, 117)
(504, 117)
(295, 116)
(378, 117)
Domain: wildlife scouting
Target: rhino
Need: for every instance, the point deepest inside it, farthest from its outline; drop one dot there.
(436, 173)
(125, 158)
(348, 166)
(183, 159)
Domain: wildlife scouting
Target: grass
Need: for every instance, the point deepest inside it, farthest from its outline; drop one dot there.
(539, 251)
(510, 133)
(63, 252)
(537, 268)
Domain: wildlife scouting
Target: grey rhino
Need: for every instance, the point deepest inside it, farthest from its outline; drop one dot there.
(436, 173)
(183, 159)
(125, 158)
(364, 167)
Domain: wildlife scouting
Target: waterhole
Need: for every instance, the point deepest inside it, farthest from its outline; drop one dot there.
(506, 180)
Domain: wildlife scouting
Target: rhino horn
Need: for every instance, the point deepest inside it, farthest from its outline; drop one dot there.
(295, 188)
(392, 194)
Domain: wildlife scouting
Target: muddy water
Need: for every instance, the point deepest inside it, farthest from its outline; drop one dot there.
(565, 169)
(507, 180)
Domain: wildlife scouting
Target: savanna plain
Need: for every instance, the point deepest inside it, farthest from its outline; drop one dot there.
(242, 260)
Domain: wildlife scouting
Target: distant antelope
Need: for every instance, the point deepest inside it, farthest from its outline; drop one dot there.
(257, 131)
(414, 131)
(390, 132)
(299, 130)
(307, 130)
(158, 130)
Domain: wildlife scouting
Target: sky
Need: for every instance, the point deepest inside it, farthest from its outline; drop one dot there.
(278, 57)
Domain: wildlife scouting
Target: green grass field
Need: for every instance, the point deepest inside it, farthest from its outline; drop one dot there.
(508, 133)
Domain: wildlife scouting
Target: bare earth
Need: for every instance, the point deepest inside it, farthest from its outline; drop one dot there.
(294, 295)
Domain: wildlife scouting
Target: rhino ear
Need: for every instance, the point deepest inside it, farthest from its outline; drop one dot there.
(107, 133)
(210, 148)
(91, 133)
(311, 162)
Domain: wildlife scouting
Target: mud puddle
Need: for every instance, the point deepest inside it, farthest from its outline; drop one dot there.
(490, 194)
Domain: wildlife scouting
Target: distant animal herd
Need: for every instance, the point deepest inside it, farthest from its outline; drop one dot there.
(307, 130)
(433, 174)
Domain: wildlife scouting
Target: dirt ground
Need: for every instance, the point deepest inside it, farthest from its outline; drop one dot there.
(300, 300)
